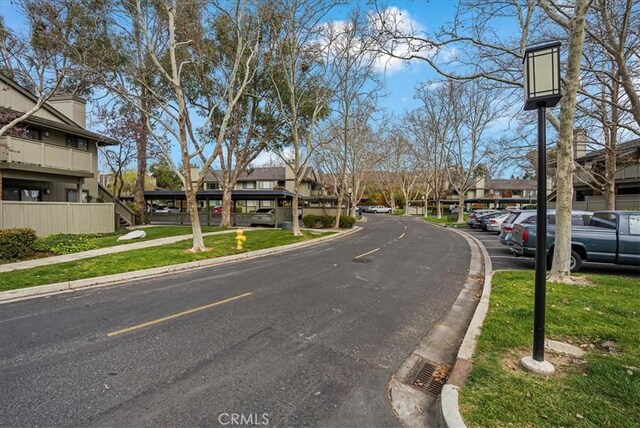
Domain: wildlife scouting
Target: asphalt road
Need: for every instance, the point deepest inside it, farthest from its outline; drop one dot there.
(503, 259)
(302, 338)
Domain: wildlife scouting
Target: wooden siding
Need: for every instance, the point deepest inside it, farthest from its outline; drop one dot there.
(58, 217)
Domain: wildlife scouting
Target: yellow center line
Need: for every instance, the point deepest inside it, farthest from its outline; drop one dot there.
(179, 314)
(367, 253)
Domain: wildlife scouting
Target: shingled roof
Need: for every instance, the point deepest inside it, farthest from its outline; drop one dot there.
(622, 149)
(509, 184)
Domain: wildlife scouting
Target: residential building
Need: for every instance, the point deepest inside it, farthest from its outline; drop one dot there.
(49, 166)
(587, 192)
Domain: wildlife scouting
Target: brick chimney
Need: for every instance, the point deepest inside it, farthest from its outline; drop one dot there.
(72, 106)
(579, 143)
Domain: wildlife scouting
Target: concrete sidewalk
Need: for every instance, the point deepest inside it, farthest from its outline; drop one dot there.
(28, 264)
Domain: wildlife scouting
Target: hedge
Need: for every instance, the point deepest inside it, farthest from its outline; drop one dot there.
(327, 221)
(16, 243)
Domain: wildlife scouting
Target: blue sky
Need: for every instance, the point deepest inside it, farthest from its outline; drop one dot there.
(400, 77)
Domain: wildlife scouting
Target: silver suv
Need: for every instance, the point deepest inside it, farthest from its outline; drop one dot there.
(529, 216)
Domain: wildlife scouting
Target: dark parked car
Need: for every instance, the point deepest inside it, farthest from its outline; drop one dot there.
(608, 237)
(481, 221)
(478, 213)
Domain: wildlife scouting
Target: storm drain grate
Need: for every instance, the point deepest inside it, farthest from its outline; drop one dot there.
(427, 377)
(361, 260)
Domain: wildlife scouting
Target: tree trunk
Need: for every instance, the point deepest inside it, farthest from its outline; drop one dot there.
(138, 187)
(560, 270)
(438, 208)
(227, 204)
(460, 208)
(294, 208)
(611, 152)
(406, 206)
(339, 210)
(194, 216)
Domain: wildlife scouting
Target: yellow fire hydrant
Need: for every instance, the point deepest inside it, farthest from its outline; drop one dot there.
(240, 238)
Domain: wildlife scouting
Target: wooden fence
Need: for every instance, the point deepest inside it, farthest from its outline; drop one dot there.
(58, 217)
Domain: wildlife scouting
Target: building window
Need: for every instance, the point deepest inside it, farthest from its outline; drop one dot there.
(72, 195)
(265, 185)
(212, 186)
(33, 134)
(77, 142)
(249, 185)
(267, 204)
(11, 194)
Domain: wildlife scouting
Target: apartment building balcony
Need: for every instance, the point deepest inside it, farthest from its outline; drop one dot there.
(30, 155)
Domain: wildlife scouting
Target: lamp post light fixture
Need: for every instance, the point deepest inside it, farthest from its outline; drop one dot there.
(541, 90)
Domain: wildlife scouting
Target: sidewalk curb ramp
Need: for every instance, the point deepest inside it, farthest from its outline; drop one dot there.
(69, 286)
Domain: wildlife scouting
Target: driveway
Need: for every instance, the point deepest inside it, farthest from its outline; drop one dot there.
(503, 259)
(302, 338)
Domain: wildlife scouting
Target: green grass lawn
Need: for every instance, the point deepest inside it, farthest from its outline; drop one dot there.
(154, 232)
(602, 391)
(445, 221)
(163, 255)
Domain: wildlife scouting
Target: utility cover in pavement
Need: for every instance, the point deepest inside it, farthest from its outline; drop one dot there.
(422, 377)
(361, 260)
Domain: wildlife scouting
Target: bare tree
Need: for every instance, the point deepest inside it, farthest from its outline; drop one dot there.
(301, 80)
(121, 124)
(575, 27)
(356, 86)
(37, 59)
(431, 128)
(473, 153)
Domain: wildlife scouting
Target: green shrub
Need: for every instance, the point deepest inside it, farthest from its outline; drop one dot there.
(64, 244)
(328, 221)
(310, 220)
(16, 243)
(346, 222)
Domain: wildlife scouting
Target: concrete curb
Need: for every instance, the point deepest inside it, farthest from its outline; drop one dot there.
(441, 345)
(68, 286)
(449, 406)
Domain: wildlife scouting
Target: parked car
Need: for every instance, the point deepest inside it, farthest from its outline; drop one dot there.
(495, 224)
(529, 217)
(379, 209)
(216, 210)
(481, 221)
(478, 213)
(607, 237)
(506, 229)
(167, 210)
(263, 217)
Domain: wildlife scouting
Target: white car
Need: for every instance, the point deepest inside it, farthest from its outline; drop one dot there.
(495, 224)
(378, 209)
(167, 210)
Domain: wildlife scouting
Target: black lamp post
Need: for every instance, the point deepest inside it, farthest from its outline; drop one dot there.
(541, 90)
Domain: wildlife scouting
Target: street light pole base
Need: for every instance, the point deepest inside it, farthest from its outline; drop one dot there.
(543, 368)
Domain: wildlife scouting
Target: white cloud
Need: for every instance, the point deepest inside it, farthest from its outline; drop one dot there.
(398, 22)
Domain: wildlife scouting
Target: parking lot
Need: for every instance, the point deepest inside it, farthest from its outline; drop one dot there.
(501, 258)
